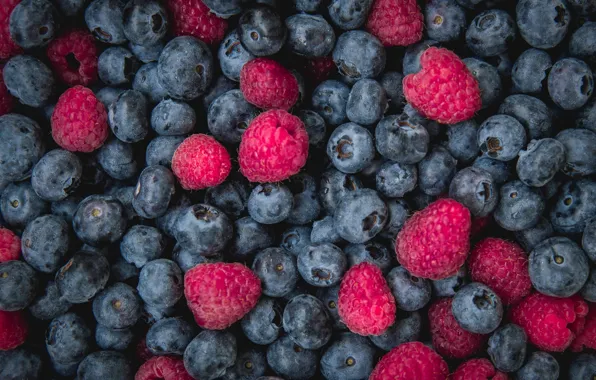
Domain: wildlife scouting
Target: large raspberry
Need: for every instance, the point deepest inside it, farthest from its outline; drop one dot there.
(434, 243)
(273, 147)
(395, 22)
(411, 360)
(365, 303)
(220, 294)
(478, 369)
(10, 245)
(444, 90)
(547, 320)
(585, 336)
(448, 338)
(201, 162)
(267, 84)
(8, 48)
(502, 266)
(163, 368)
(79, 121)
(13, 329)
(73, 56)
(194, 18)
(6, 99)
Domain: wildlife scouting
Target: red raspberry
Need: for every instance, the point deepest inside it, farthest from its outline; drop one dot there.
(193, 18)
(449, 339)
(13, 329)
(79, 121)
(8, 48)
(435, 242)
(10, 245)
(546, 319)
(220, 294)
(267, 84)
(74, 57)
(395, 22)
(444, 90)
(319, 69)
(163, 368)
(6, 99)
(365, 303)
(478, 369)
(411, 360)
(586, 334)
(274, 147)
(201, 162)
(502, 266)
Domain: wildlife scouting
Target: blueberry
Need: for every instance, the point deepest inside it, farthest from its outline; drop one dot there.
(262, 325)
(411, 293)
(161, 283)
(394, 179)
(445, 20)
(168, 222)
(50, 304)
(262, 31)
(367, 102)
(229, 115)
(350, 148)
(309, 6)
(291, 361)
(117, 159)
(540, 366)
(447, 287)
(543, 24)
(122, 271)
(589, 240)
(155, 187)
(185, 68)
(315, 127)
(586, 116)
(306, 206)
(540, 162)
(231, 196)
(117, 66)
(519, 208)
(335, 185)
(113, 339)
(531, 237)
(173, 118)
(398, 214)
(499, 170)
(161, 150)
(306, 322)
(147, 53)
(349, 14)
(277, 270)
(203, 229)
(490, 33)
(250, 364)
(232, 56)
(145, 22)
(329, 100)
(530, 71)
(407, 328)
(322, 265)
(588, 291)
(153, 314)
(296, 239)
(371, 252)
(29, 80)
(105, 365)
(570, 83)
(392, 83)
(400, 140)
(117, 307)
(186, 259)
(45, 243)
(270, 203)
(574, 206)
(360, 215)
(507, 348)
(489, 80)
(18, 285)
(411, 60)
(82, 277)
(477, 308)
(104, 20)
(210, 354)
(309, 35)
(349, 357)
(436, 170)
(218, 87)
(56, 175)
(329, 296)
(170, 336)
(124, 194)
(224, 8)
(128, 116)
(462, 140)
(474, 188)
(68, 340)
(20, 363)
(108, 95)
(583, 366)
(583, 43)
(34, 23)
(323, 231)
(501, 137)
(250, 236)
(21, 146)
(531, 112)
(99, 220)
(580, 149)
(358, 55)
(147, 82)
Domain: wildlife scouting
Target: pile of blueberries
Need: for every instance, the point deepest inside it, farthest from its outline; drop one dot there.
(525, 167)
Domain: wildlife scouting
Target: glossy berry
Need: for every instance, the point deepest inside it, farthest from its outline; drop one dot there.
(277, 271)
(306, 322)
(267, 84)
(193, 18)
(117, 307)
(45, 243)
(411, 293)
(19, 285)
(350, 148)
(411, 359)
(477, 308)
(104, 20)
(360, 216)
(262, 31)
(491, 33)
(519, 207)
(82, 277)
(161, 283)
(322, 265)
(170, 336)
(395, 23)
(29, 80)
(507, 347)
(33, 23)
(358, 55)
(350, 356)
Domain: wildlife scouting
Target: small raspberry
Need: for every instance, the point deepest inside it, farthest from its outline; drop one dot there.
(434, 243)
(448, 338)
(13, 329)
(6, 99)
(220, 294)
(8, 48)
(267, 84)
(411, 360)
(585, 336)
(502, 266)
(194, 18)
(79, 121)
(395, 22)
(201, 162)
(478, 369)
(10, 245)
(443, 90)
(74, 57)
(547, 320)
(274, 147)
(365, 303)
(163, 368)
(319, 69)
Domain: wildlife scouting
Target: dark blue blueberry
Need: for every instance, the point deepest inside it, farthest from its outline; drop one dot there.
(185, 68)
(50, 304)
(82, 277)
(580, 151)
(407, 328)
(262, 31)
(231, 196)
(170, 336)
(329, 100)
(18, 285)
(225, 8)
(45, 243)
(588, 291)
(34, 23)
(147, 53)
(296, 239)
(147, 82)
(309, 6)
(306, 322)
(474, 188)
(105, 365)
(490, 33)
(436, 170)
(394, 179)
(349, 14)
(167, 223)
(334, 186)
(411, 115)
(277, 270)
(99, 220)
(117, 66)
(519, 208)
(507, 348)
(541, 160)
(117, 307)
(173, 118)
(530, 71)
(65, 369)
(188, 259)
(574, 206)
(392, 83)
(570, 83)
(117, 159)
(21, 146)
(108, 95)
(250, 364)
(359, 55)
(145, 22)
(589, 240)
(20, 363)
(398, 214)
(444, 20)
(104, 20)
(270, 203)
(250, 236)
(411, 293)
(542, 23)
(153, 314)
(161, 150)
(586, 116)
(462, 140)
(448, 286)
(262, 325)
(323, 231)
(558, 267)
(155, 187)
(232, 56)
(128, 116)
(583, 43)
(501, 137)
(499, 170)
(531, 237)
(29, 80)
(20, 204)
(218, 87)
(56, 175)
(124, 194)
(489, 80)
(401, 140)
(360, 215)
(329, 296)
(531, 112)
(309, 35)
(291, 361)
(349, 357)
(477, 308)
(411, 60)
(322, 265)
(367, 102)
(161, 283)
(540, 366)
(113, 339)
(210, 354)
(306, 206)
(68, 340)
(229, 115)
(122, 270)
(315, 127)
(372, 252)
(583, 366)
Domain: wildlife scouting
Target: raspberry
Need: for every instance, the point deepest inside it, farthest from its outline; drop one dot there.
(435, 242)
(13, 329)
(163, 368)
(545, 319)
(273, 148)
(444, 90)
(267, 84)
(193, 18)
(79, 121)
(395, 22)
(477, 369)
(586, 334)
(220, 294)
(411, 360)
(8, 48)
(6, 99)
(502, 266)
(365, 303)
(74, 57)
(319, 69)
(10, 245)
(448, 338)
(201, 162)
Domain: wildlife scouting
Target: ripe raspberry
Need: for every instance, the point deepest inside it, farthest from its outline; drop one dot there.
(74, 57)
(220, 294)
(8, 48)
(79, 121)
(274, 147)
(201, 162)
(365, 303)
(435, 242)
(267, 84)
(585, 336)
(10, 245)
(319, 69)
(13, 329)
(502, 266)
(6, 99)
(545, 319)
(395, 22)
(449, 339)
(443, 90)
(193, 18)
(163, 368)
(478, 369)
(411, 360)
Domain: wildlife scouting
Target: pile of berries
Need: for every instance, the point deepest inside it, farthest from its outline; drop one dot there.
(305, 189)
